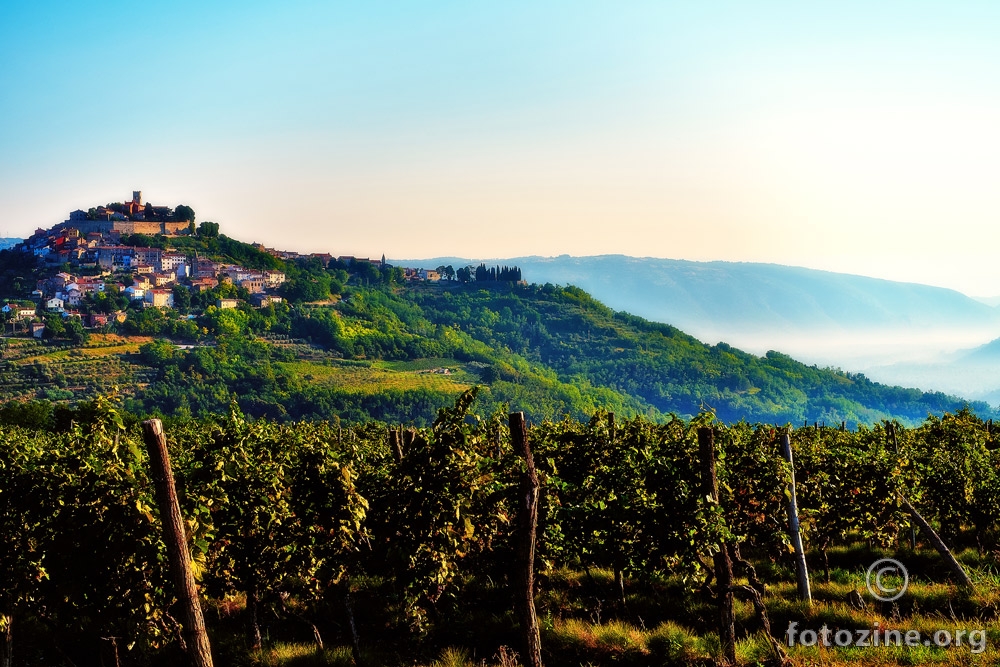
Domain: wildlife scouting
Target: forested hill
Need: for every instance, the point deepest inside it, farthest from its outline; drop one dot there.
(580, 339)
(8, 243)
(719, 300)
(361, 342)
(397, 353)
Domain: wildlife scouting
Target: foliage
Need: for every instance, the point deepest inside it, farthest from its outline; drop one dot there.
(18, 273)
(552, 351)
(78, 541)
(576, 337)
(282, 512)
(184, 213)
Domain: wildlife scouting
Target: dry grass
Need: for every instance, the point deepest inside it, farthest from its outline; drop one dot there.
(621, 642)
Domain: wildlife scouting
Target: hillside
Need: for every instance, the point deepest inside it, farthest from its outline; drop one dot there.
(8, 243)
(576, 336)
(399, 354)
(363, 340)
(826, 318)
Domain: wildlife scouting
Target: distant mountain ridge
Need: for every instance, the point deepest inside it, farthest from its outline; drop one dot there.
(8, 243)
(710, 296)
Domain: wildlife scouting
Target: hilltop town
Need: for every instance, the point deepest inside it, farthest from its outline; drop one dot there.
(102, 263)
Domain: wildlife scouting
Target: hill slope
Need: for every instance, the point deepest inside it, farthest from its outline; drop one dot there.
(549, 351)
(824, 317)
(358, 342)
(974, 372)
(578, 337)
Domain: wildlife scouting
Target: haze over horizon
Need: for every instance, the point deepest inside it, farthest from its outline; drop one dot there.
(845, 137)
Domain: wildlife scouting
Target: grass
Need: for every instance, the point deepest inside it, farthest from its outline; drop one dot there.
(574, 641)
(99, 345)
(287, 654)
(667, 622)
(377, 377)
(664, 622)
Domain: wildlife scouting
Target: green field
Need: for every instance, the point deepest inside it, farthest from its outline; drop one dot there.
(378, 376)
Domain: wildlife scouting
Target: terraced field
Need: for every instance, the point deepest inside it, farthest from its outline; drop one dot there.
(59, 371)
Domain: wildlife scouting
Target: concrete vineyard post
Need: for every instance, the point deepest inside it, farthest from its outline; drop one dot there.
(942, 548)
(794, 532)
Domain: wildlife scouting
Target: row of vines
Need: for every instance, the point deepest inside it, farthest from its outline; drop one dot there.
(286, 516)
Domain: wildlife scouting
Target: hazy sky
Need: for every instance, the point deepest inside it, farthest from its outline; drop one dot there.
(858, 137)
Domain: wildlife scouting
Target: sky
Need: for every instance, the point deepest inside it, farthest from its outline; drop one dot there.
(856, 137)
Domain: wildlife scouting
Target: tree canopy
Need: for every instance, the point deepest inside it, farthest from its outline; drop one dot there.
(184, 212)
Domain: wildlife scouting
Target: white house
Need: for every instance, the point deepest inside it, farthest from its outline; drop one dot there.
(171, 261)
(161, 298)
(19, 312)
(274, 278)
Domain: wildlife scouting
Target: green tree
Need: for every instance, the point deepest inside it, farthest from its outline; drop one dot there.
(75, 331)
(54, 327)
(184, 212)
(182, 298)
(208, 230)
(255, 524)
(157, 352)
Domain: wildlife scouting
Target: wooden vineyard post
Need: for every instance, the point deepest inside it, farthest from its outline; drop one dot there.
(805, 594)
(196, 638)
(723, 565)
(394, 445)
(528, 523)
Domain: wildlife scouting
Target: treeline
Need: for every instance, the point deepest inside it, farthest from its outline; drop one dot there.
(508, 274)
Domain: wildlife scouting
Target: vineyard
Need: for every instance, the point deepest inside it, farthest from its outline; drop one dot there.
(32, 368)
(323, 543)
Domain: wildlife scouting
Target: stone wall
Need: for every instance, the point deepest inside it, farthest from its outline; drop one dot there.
(129, 227)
